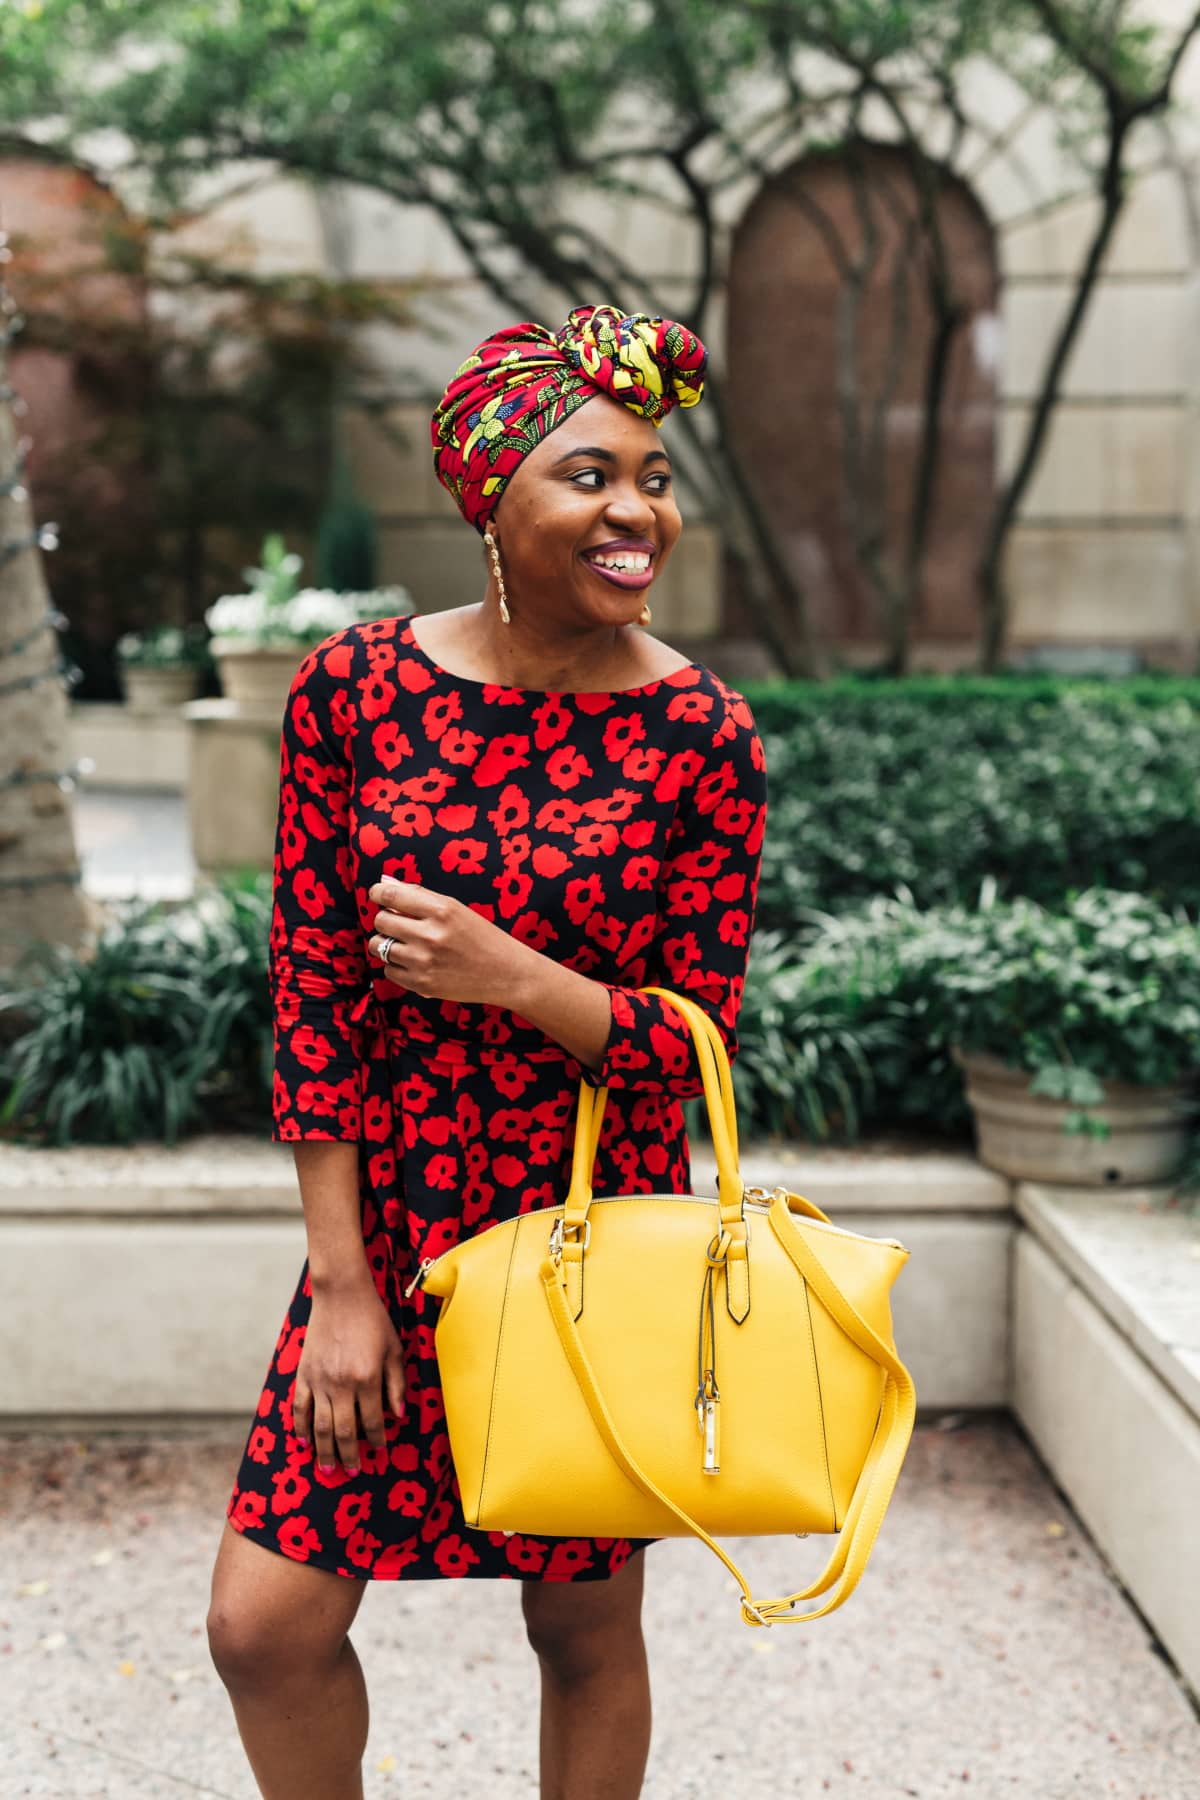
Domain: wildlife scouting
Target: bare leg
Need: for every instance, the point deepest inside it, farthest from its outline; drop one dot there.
(277, 1635)
(595, 1728)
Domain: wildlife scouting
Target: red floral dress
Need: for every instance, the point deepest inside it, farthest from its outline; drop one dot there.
(617, 833)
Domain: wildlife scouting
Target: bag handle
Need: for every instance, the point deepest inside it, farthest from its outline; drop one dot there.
(877, 1479)
(713, 1062)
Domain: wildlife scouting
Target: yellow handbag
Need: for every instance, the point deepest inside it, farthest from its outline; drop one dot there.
(649, 1365)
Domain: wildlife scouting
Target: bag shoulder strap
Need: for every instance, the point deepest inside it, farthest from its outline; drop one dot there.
(877, 1479)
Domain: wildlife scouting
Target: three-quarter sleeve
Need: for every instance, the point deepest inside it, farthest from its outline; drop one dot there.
(317, 959)
(707, 895)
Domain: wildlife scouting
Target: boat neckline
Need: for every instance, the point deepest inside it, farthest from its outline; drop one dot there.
(504, 687)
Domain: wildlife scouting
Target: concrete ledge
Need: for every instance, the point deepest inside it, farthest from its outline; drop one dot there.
(174, 1266)
(1117, 1438)
(1139, 1264)
(140, 750)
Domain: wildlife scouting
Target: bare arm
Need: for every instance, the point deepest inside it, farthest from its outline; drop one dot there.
(328, 1177)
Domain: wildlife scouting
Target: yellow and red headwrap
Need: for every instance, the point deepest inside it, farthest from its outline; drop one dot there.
(520, 383)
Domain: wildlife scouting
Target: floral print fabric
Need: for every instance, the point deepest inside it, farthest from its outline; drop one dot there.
(618, 833)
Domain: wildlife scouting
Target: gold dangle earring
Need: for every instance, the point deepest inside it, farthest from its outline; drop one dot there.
(644, 615)
(490, 541)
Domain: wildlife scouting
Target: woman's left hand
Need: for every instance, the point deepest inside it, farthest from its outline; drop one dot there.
(440, 948)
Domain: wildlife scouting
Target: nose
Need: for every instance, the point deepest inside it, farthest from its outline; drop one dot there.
(628, 502)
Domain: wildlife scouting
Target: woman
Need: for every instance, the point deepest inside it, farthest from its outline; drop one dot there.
(492, 830)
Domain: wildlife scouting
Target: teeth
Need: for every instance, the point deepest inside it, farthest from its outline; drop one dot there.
(635, 563)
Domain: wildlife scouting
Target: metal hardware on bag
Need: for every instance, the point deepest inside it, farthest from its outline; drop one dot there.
(708, 1398)
(710, 1451)
(427, 1263)
(556, 1237)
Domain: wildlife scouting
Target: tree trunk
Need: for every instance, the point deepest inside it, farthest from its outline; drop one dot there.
(40, 893)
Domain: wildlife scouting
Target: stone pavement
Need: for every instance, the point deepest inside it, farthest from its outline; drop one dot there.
(987, 1651)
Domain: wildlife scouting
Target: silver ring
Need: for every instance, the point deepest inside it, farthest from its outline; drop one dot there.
(384, 951)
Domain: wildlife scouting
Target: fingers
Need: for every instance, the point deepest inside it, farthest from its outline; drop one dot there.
(393, 1375)
(302, 1410)
(345, 1430)
(370, 1408)
(323, 1431)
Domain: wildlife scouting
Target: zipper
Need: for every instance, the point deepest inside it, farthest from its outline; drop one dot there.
(427, 1263)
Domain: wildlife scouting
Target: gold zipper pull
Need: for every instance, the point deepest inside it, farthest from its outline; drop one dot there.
(708, 1401)
(427, 1263)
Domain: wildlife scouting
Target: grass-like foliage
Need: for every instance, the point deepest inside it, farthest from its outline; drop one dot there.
(164, 1028)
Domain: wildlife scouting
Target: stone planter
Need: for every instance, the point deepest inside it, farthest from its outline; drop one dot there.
(256, 677)
(155, 690)
(1023, 1134)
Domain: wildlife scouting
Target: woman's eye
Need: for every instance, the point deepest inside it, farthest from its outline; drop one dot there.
(663, 479)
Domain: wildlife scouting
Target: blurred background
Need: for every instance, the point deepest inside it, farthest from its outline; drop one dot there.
(942, 530)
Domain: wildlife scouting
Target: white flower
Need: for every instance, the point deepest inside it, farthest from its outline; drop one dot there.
(306, 617)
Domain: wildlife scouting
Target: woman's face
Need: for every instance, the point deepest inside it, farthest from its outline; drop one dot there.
(600, 482)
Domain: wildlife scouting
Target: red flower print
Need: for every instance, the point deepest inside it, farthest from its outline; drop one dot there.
(291, 1489)
(311, 894)
(361, 1548)
(510, 811)
(582, 897)
(525, 1553)
(567, 1558)
(461, 748)
(436, 1519)
(310, 1049)
(596, 839)
(408, 1498)
(297, 1538)
(453, 1557)
(261, 1444)
(377, 696)
(621, 735)
(505, 753)
(464, 856)
(554, 720)
(393, 1559)
(643, 765)
(351, 1510)
(389, 745)
(567, 767)
(247, 1511)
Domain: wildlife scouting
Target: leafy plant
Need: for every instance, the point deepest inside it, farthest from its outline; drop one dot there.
(166, 1025)
(164, 647)
(277, 612)
(937, 783)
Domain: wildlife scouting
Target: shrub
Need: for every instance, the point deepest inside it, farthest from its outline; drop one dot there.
(166, 1026)
(936, 784)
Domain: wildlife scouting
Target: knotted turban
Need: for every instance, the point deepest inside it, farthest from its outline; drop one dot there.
(520, 383)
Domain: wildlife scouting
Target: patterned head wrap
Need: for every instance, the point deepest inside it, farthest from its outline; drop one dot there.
(520, 383)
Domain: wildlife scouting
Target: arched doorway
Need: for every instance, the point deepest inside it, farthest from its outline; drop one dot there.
(833, 342)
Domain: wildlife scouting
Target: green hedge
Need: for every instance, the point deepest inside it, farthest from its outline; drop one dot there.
(935, 783)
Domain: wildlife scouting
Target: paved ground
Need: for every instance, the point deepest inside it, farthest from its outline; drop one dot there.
(987, 1651)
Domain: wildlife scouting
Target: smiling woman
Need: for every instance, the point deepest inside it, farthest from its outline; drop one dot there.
(493, 835)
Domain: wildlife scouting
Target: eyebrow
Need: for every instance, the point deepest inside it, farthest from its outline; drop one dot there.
(607, 455)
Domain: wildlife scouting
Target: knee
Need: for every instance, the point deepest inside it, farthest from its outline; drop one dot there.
(252, 1654)
(575, 1633)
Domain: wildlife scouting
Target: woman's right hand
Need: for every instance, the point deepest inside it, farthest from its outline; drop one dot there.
(352, 1352)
